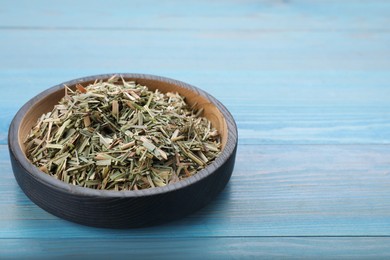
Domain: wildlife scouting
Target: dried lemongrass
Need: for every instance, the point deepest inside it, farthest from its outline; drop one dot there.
(118, 135)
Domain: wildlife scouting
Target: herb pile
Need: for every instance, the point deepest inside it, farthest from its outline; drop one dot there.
(118, 135)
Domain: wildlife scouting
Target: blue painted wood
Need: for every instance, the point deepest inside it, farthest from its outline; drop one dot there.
(344, 71)
(195, 248)
(360, 121)
(308, 83)
(195, 15)
(338, 54)
(286, 190)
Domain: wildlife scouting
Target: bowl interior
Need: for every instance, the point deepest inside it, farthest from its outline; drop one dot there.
(47, 102)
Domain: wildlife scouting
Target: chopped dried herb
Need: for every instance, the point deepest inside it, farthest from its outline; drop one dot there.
(118, 135)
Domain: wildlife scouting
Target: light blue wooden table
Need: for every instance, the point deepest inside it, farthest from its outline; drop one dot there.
(308, 83)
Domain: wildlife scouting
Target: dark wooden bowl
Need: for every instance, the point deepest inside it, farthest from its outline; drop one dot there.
(123, 209)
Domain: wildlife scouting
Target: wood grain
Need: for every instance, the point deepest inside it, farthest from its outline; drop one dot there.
(195, 248)
(282, 87)
(308, 85)
(286, 190)
(198, 15)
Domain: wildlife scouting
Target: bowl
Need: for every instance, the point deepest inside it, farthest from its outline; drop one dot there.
(132, 208)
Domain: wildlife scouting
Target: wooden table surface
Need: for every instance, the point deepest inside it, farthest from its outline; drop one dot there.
(308, 83)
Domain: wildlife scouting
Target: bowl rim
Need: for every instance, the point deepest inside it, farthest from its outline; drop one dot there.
(226, 153)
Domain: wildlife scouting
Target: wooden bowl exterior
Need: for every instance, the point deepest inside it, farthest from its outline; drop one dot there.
(123, 209)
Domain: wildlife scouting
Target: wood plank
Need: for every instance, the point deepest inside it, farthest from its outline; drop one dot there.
(275, 190)
(198, 51)
(195, 248)
(337, 92)
(260, 124)
(343, 66)
(295, 74)
(215, 15)
(267, 124)
(311, 124)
